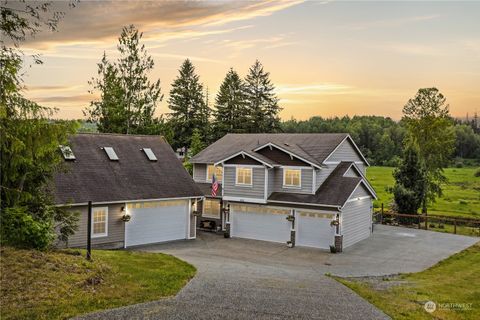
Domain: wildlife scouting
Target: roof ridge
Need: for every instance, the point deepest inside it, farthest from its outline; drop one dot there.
(118, 134)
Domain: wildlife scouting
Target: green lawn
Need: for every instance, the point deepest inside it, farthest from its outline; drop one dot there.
(461, 196)
(455, 280)
(62, 284)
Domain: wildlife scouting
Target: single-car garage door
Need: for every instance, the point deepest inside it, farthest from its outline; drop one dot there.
(157, 221)
(314, 229)
(260, 223)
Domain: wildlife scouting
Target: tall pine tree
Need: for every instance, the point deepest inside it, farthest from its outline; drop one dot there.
(187, 102)
(262, 103)
(128, 99)
(230, 115)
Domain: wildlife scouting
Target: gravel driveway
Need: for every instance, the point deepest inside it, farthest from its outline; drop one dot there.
(247, 279)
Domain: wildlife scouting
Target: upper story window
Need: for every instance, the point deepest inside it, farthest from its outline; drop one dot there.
(218, 172)
(292, 178)
(243, 176)
(100, 222)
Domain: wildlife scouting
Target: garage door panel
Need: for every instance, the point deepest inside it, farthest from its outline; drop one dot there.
(158, 224)
(314, 230)
(263, 225)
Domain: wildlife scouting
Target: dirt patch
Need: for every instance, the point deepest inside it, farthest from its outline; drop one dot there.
(382, 283)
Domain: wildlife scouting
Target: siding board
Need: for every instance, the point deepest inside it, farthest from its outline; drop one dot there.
(306, 183)
(256, 190)
(200, 172)
(116, 229)
(356, 221)
(347, 152)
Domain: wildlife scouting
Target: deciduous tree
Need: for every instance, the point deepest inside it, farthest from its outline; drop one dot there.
(430, 128)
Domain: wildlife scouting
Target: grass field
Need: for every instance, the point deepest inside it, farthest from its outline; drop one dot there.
(453, 284)
(62, 284)
(461, 196)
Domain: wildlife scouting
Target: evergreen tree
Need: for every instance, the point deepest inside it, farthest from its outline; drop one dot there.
(128, 99)
(430, 128)
(187, 103)
(262, 103)
(29, 143)
(197, 144)
(230, 115)
(409, 189)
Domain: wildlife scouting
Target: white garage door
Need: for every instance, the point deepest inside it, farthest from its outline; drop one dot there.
(260, 223)
(159, 221)
(314, 230)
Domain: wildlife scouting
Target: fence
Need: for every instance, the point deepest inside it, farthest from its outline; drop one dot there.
(465, 226)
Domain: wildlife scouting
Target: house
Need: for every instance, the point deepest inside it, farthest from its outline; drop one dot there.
(301, 189)
(127, 177)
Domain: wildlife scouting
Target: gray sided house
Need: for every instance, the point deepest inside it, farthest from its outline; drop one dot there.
(127, 177)
(301, 189)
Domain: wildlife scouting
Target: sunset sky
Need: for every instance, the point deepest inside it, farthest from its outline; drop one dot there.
(326, 58)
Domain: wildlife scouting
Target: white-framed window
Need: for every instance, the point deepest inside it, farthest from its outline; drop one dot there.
(100, 222)
(211, 208)
(218, 172)
(243, 176)
(292, 178)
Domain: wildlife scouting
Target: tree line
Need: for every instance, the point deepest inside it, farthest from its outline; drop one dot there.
(128, 101)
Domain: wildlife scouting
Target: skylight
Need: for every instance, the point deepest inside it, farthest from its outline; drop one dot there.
(67, 152)
(151, 156)
(111, 153)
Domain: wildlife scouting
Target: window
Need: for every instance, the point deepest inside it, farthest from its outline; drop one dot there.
(244, 176)
(150, 155)
(67, 152)
(100, 222)
(218, 172)
(292, 177)
(111, 153)
(211, 208)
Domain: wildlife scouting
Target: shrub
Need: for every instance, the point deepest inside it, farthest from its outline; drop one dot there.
(477, 173)
(20, 229)
(463, 202)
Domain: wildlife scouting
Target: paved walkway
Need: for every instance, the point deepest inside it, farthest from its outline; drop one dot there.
(247, 279)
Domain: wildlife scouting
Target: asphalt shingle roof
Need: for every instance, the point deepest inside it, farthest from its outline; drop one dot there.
(93, 177)
(314, 147)
(333, 192)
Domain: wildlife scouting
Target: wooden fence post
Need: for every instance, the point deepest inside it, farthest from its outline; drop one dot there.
(455, 226)
(426, 222)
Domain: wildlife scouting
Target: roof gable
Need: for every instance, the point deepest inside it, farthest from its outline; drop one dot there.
(310, 147)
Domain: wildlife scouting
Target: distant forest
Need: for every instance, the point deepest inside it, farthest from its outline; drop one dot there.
(381, 138)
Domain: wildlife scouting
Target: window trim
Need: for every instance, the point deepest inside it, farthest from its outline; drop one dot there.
(100, 235)
(236, 176)
(206, 173)
(292, 186)
(208, 215)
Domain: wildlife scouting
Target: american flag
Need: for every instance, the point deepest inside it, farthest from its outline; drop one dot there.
(214, 186)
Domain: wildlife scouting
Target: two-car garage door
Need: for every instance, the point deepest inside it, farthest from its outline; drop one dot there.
(159, 221)
(270, 224)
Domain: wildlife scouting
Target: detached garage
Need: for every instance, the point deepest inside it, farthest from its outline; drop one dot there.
(139, 190)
